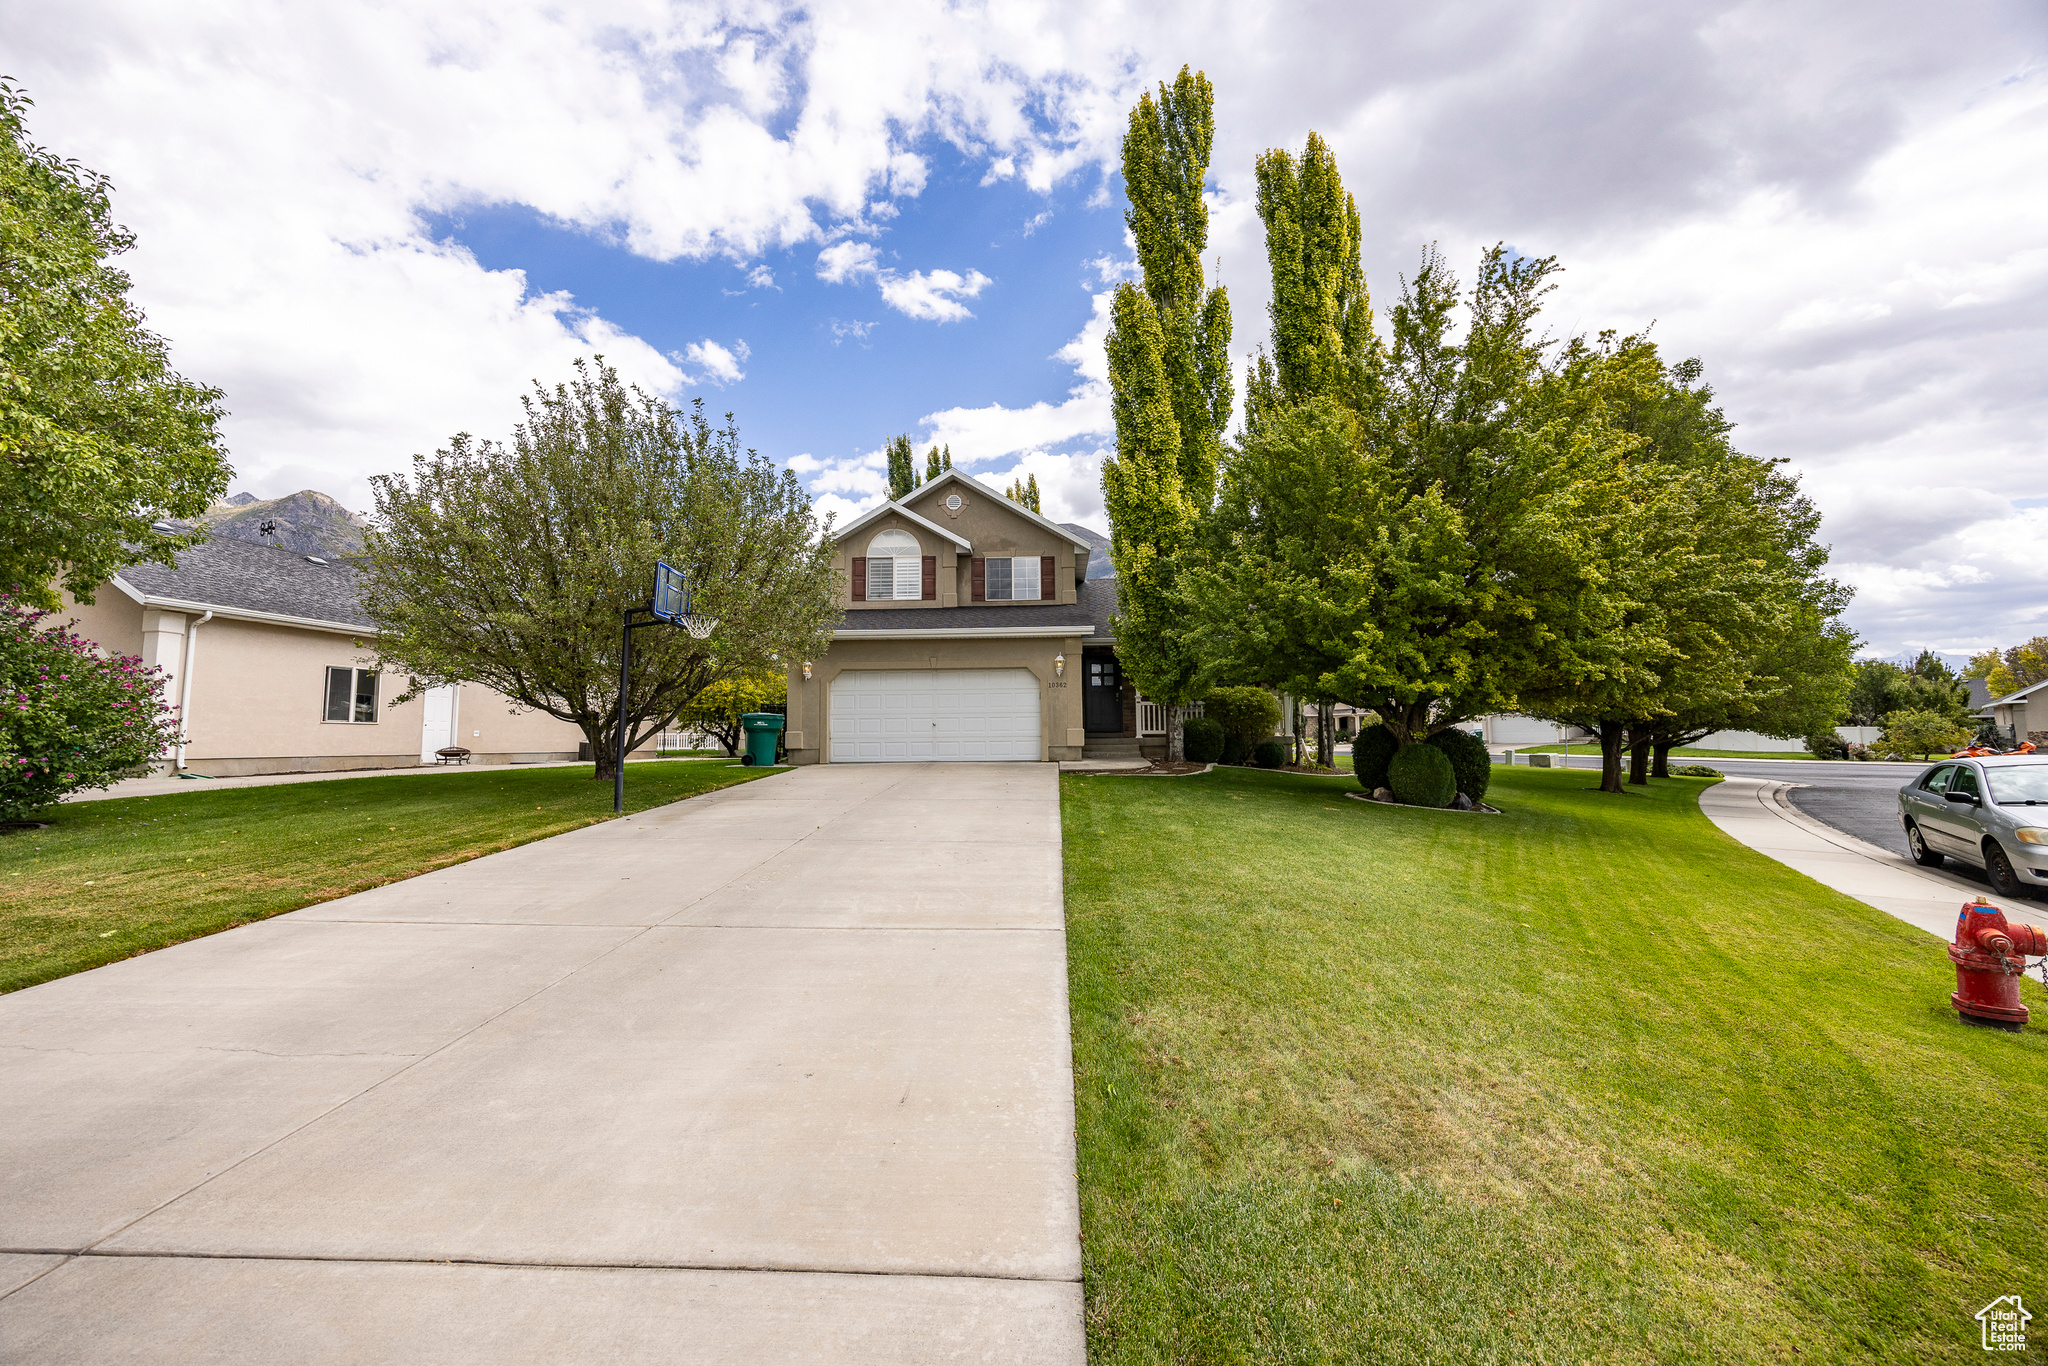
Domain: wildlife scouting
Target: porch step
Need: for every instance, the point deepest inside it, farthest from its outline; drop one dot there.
(1111, 747)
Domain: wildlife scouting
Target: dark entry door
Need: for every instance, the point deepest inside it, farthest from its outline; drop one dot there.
(1102, 707)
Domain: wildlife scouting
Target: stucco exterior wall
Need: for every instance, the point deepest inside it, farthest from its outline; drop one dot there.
(259, 690)
(985, 520)
(1059, 720)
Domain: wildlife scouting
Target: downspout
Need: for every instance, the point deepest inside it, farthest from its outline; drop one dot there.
(185, 685)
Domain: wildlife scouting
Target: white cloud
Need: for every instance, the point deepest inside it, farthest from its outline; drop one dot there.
(933, 297)
(760, 277)
(717, 364)
(843, 261)
(851, 327)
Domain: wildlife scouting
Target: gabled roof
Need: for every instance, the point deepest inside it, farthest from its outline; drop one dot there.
(902, 511)
(1087, 616)
(952, 476)
(258, 582)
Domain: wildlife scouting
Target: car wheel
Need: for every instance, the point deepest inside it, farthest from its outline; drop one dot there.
(1999, 869)
(1922, 855)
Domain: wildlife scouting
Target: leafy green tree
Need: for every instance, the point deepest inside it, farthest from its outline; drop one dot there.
(511, 565)
(937, 461)
(1169, 376)
(717, 710)
(902, 468)
(1881, 687)
(1323, 339)
(74, 718)
(1922, 732)
(99, 438)
(1248, 713)
(1025, 492)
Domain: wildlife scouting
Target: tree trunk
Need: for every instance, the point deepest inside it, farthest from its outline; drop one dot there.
(1326, 736)
(1612, 736)
(1639, 758)
(602, 742)
(1660, 766)
(1176, 745)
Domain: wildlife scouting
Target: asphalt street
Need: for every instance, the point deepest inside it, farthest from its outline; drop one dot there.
(1859, 799)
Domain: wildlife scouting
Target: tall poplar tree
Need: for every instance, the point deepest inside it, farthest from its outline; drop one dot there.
(902, 468)
(1169, 374)
(1323, 339)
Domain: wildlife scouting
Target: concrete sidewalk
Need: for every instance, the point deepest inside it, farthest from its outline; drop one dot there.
(779, 1073)
(1756, 812)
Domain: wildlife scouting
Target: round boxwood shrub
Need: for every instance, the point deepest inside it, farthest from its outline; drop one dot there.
(1421, 776)
(1250, 714)
(1370, 751)
(1270, 753)
(1470, 763)
(1201, 740)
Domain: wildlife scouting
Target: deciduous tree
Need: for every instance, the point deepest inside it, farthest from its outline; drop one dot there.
(902, 468)
(717, 710)
(511, 564)
(1024, 492)
(100, 439)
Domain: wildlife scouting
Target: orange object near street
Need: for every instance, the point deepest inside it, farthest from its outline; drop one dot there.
(1990, 952)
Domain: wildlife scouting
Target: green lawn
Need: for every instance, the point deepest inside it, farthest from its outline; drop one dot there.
(113, 878)
(1585, 1082)
(1593, 751)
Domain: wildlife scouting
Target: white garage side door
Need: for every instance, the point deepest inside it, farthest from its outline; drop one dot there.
(910, 716)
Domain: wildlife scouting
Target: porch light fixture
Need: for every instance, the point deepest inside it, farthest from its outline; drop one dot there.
(807, 671)
(1059, 666)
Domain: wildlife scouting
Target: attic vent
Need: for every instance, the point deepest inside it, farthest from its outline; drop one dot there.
(314, 559)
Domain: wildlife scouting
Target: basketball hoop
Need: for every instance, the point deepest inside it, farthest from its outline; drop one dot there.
(699, 627)
(671, 607)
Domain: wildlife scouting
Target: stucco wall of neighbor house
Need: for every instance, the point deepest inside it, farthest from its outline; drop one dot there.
(258, 696)
(1060, 735)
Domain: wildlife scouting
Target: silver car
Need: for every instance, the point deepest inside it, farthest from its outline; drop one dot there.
(1991, 813)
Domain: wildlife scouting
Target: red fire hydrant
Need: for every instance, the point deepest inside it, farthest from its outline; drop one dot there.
(1990, 953)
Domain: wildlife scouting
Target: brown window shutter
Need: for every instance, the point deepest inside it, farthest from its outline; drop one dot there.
(1048, 586)
(860, 578)
(980, 579)
(930, 588)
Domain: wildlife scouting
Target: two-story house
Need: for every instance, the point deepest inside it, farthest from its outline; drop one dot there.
(971, 631)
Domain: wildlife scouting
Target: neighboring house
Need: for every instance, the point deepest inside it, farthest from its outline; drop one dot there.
(272, 659)
(971, 631)
(2011, 711)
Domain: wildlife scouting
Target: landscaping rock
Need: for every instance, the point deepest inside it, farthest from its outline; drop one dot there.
(1461, 802)
(1383, 794)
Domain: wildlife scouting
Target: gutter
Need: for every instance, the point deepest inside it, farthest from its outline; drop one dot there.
(969, 632)
(185, 686)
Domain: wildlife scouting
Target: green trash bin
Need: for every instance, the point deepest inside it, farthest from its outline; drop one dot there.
(763, 729)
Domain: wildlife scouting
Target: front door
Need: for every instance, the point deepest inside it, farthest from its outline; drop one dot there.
(1102, 705)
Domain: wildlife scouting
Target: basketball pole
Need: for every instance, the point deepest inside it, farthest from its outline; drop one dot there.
(628, 626)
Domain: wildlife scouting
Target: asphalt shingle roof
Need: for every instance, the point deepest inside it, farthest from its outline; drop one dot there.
(254, 578)
(1097, 602)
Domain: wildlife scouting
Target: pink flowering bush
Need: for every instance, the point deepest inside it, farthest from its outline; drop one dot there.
(70, 718)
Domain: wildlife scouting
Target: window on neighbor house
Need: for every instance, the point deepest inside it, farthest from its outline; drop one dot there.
(1012, 580)
(351, 695)
(895, 567)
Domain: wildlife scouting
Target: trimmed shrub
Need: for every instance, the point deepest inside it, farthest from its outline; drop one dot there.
(75, 719)
(1421, 776)
(1471, 765)
(1201, 740)
(1370, 753)
(1249, 714)
(1825, 744)
(1695, 771)
(1233, 747)
(1270, 753)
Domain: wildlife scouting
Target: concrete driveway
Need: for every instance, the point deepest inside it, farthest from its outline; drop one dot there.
(779, 1073)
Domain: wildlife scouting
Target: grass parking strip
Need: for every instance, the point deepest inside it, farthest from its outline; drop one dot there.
(1586, 1082)
(110, 879)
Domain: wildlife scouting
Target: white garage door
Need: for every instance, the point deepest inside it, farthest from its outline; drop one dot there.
(923, 715)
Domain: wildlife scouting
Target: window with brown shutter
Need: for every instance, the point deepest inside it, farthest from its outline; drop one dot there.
(980, 579)
(1048, 586)
(860, 578)
(931, 577)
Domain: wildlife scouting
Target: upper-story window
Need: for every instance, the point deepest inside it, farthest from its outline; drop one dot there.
(1013, 579)
(895, 567)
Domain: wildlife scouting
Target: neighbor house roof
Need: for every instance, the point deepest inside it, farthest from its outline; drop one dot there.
(1088, 616)
(2019, 696)
(253, 582)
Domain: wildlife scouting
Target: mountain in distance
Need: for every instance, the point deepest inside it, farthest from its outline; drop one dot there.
(308, 522)
(1099, 566)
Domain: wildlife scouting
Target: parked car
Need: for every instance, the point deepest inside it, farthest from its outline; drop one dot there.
(1989, 812)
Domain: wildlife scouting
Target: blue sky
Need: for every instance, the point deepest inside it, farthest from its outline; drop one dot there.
(371, 226)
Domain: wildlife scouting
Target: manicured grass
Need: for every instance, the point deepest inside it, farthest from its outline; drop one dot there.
(1593, 751)
(1585, 1082)
(110, 879)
